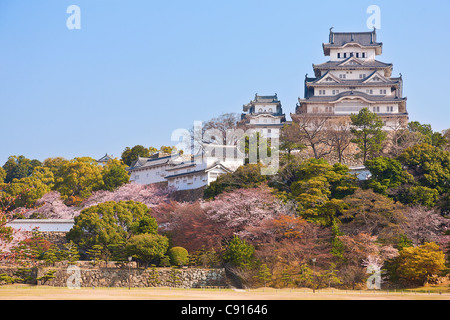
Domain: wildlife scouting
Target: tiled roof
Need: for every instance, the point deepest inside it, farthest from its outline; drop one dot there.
(339, 39)
(372, 98)
(338, 65)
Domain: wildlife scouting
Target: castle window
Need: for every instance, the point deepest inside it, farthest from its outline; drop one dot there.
(363, 54)
(357, 54)
(260, 110)
(339, 55)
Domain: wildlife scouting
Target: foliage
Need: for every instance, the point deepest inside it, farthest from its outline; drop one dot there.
(430, 166)
(114, 175)
(416, 264)
(147, 247)
(18, 167)
(179, 256)
(386, 173)
(238, 252)
(368, 133)
(108, 223)
(79, 177)
(247, 176)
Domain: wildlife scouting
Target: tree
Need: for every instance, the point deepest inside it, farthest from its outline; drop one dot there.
(29, 189)
(238, 252)
(386, 173)
(237, 210)
(108, 223)
(430, 166)
(339, 137)
(247, 176)
(51, 206)
(18, 167)
(150, 195)
(318, 188)
(312, 133)
(416, 264)
(2, 175)
(423, 225)
(70, 253)
(147, 247)
(178, 256)
(290, 139)
(368, 133)
(95, 253)
(264, 274)
(131, 155)
(79, 177)
(374, 214)
(114, 175)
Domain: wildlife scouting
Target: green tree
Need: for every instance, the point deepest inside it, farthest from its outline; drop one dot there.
(416, 264)
(2, 175)
(247, 176)
(386, 173)
(114, 175)
(178, 256)
(95, 254)
(108, 223)
(264, 274)
(174, 277)
(29, 189)
(131, 155)
(70, 253)
(430, 166)
(368, 133)
(238, 252)
(153, 276)
(147, 247)
(18, 167)
(79, 177)
(319, 187)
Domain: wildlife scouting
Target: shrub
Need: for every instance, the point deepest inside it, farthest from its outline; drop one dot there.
(178, 256)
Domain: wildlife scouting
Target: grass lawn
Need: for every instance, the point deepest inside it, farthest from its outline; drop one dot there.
(24, 292)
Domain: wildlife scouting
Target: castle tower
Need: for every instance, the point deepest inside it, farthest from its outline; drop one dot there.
(354, 79)
(263, 114)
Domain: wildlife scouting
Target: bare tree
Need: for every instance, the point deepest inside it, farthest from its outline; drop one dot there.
(424, 225)
(339, 137)
(313, 133)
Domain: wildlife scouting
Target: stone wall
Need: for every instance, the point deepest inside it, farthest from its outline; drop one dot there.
(134, 277)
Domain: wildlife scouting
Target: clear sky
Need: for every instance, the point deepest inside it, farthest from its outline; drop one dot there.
(139, 69)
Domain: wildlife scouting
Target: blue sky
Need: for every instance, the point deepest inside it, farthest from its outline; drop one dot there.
(137, 70)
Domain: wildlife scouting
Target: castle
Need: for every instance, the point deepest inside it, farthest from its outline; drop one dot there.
(351, 80)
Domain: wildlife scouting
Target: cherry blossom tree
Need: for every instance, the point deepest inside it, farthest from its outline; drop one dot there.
(150, 195)
(50, 206)
(242, 208)
(424, 225)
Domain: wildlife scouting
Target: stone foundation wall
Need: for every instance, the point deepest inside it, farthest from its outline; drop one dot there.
(134, 277)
